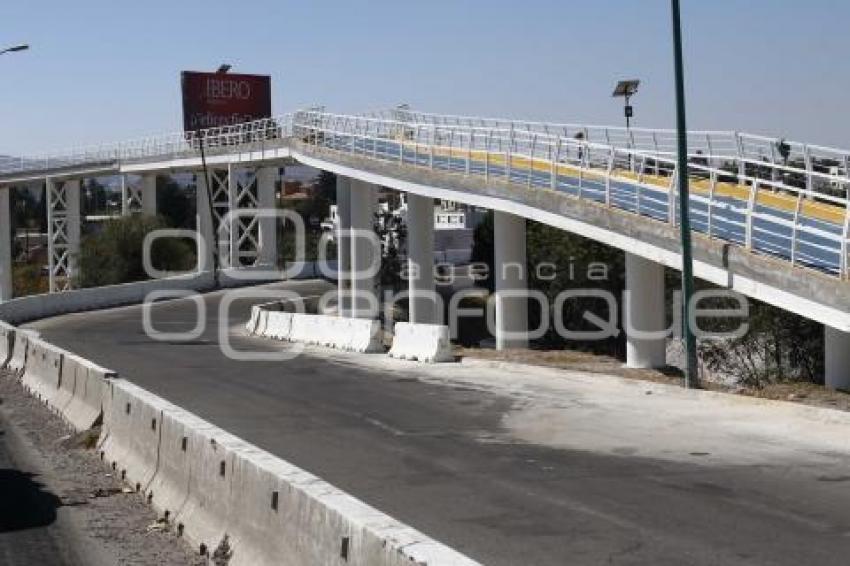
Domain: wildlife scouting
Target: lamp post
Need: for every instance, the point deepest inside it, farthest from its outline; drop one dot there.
(15, 48)
(691, 370)
(626, 90)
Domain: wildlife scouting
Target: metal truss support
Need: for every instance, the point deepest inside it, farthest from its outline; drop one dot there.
(138, 195)
(221, 207)
(251, 230)
(63, 232)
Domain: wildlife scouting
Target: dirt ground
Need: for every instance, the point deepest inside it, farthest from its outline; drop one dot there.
(103, 512)
(804, 393)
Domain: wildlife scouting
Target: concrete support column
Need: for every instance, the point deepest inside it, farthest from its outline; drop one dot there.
(365, 252)
(267, 254)
(644, 312)
(837, 362)
(420, 259)
(125, 196)
(511, 279)
(204, 225)
(343, 244)
(74, 224)
(5, 245)
(148, 189)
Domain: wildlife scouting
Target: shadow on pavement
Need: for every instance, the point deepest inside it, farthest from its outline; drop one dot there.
(23, 502)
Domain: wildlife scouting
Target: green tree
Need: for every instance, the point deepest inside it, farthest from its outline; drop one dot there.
(558, 261)
(175, 204)
(114, 255)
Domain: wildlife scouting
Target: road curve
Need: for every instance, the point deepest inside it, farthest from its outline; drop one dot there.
(438, 457)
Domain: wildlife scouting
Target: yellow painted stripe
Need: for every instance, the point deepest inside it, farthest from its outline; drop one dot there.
(818, 210)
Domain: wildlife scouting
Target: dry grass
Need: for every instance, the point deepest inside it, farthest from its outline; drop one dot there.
(804, 393)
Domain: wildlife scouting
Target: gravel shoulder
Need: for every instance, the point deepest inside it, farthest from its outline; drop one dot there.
(89, 517)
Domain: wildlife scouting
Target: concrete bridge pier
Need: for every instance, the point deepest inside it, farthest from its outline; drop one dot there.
(511, 280)
(267, 254)
(644, 313)
(204, 224)
(343, 244)
(365, 251)
(5, 246)
(837, 362)
(148, 190)
(420, 259)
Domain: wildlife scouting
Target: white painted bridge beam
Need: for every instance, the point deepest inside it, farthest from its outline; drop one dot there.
(511, 280)
(645, 313)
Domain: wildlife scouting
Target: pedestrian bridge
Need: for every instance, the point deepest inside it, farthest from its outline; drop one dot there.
(770, 217)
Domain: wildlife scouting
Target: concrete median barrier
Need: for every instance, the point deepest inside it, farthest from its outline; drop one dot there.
(7, 343)
(278, 325)
(132, 433)
(180, 451)
(207, 515)
(85, 408)
(18, 360)
(352, 334)
(71, 366)
(212, 485)
(42, 370)
(251, 325)
(422, 342)
(293, 517)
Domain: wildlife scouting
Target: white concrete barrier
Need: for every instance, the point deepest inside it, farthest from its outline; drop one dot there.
(422, 342)
(34, 307)
(181, 447)
(212, 484)
(42, 370)
(7, 343)
(133, 428)
(278, 325)
(353, 334)
(251, 325)
(71, 366)
(18, 360)
(207, 514)
(85, 408)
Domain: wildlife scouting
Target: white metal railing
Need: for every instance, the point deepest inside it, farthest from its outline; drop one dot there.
(166, 146)
(631, 170)
(629, 178)
(713, 145)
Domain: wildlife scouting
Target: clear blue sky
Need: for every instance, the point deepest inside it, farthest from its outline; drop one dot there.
(107, 70)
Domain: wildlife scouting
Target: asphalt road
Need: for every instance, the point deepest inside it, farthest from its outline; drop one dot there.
(439, 457)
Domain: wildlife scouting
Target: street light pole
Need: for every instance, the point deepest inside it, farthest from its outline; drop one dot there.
(691, 370)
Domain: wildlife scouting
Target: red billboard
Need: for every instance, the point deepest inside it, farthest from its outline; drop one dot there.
(221, 99)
